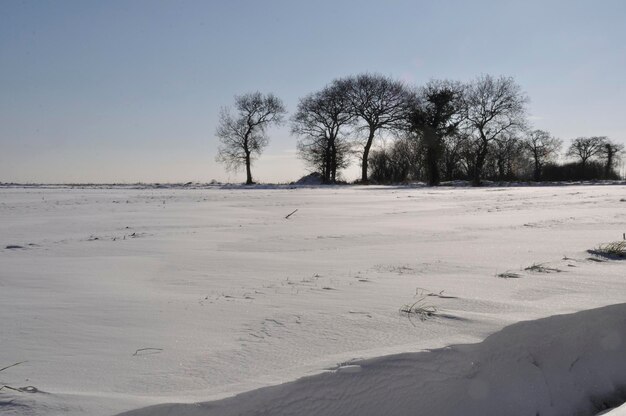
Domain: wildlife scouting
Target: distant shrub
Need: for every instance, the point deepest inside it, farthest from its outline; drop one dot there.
(573, 171)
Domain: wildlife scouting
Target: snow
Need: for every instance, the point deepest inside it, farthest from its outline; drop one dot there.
(618, 411)
(562, 365)
(120, 298)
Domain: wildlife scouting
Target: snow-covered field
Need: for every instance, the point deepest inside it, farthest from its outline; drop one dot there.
(117, 299)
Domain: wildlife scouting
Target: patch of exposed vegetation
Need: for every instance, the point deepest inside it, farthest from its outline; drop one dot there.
(420, 309)
(540, 268)
(509, 275)
(615, 250)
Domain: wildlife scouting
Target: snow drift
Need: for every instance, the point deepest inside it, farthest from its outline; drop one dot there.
(562, 365)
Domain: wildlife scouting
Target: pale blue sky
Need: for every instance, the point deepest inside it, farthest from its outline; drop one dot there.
(125, 91)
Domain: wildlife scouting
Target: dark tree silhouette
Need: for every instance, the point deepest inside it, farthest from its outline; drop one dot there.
(452, 156)
(319, 121)
(542, 147)
(493, 106)
(506, 152)
(586, 148)
(243, 136)
(436, 115)
(611, 153)
(380, 102)
(398, 162)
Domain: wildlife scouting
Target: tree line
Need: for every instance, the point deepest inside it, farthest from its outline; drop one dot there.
(443, 131)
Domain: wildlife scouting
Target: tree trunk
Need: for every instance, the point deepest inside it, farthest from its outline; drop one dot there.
(481, 155)
(537, 171)
(608, 168)
(248, 171)
(501, 169)
(432, 166)
(433, 153)
(328, 164)
(366, 153)
(451, 166)
(324, 173)
(449, 170)
(333, 165)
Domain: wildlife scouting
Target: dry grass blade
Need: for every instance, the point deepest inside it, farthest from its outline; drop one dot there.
(26, 389)
(147, 351)
(614, 250)
(12, 365)
(420, 309)
(420, 292)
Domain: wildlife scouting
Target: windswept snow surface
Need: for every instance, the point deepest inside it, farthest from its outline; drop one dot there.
(561, 365)
(123, 298)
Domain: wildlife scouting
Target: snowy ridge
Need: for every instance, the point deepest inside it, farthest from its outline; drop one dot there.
(571, 364)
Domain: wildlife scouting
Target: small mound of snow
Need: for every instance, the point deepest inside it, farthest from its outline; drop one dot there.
(314, 178)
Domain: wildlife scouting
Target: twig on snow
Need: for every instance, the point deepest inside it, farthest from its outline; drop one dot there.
(12, 365)
(154, 351)
(27, 389)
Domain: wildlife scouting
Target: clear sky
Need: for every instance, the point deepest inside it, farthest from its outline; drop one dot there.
(126, 91)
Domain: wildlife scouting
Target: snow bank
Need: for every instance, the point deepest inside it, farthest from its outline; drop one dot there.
(562, 365)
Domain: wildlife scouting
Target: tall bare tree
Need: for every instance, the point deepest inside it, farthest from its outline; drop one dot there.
(542, 147)
(586, 148)
(243, 135)
(319, 121)
(436, 116)
(493, 106)
(380, 102)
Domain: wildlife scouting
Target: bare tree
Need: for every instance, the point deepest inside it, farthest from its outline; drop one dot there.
(325, 159)
(506, 153)
(437, 115)
(397, 162)
(319, 121)
(452, 156)
(243, 135)
(380, 102)
(611, 152)
(542, 147)
(585, 148)
(493, 106)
